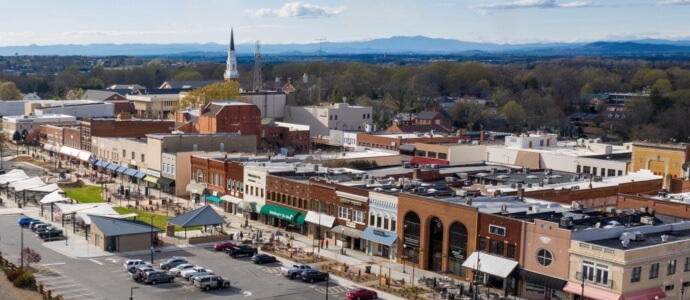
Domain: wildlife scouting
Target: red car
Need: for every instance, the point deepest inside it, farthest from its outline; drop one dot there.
(360, 293)
(223, 246)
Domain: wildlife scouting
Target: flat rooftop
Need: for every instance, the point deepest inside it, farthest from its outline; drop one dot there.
(651, 239)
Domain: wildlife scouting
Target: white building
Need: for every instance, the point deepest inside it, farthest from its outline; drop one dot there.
(321, 119)
(542, 151)
(271, 104)
(12, 124)
(154, 105)
(12, 108)
(95, 110)
(380, 235)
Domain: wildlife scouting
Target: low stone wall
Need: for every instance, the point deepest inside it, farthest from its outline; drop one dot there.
(209, 239)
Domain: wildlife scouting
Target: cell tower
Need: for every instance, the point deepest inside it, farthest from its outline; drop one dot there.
(258, 77)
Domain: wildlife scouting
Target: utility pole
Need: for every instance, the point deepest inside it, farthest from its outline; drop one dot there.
(318, 93)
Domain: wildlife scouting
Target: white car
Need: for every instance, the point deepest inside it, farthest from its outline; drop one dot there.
(177, 270)
(130, 265)
(196, 271)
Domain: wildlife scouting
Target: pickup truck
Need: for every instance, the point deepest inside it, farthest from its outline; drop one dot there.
(49, 233)
(294, 270)
(242, 250)
(196, 271)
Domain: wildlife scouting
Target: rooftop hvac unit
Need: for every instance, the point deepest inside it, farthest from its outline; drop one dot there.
(525, 170)
(597, 179)
(519, 185)
(450, 179)
(577, 205)
(647, 220)
(371, 181)
(529, 185)
(664, 238)
(611, 210)
(493, 170)
(461, 193)
(513, 185)
(639, 236)
(548, 172)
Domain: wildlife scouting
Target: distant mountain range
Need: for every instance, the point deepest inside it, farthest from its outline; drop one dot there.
(393, 45)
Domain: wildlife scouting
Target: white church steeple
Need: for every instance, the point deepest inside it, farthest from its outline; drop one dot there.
(231, 64)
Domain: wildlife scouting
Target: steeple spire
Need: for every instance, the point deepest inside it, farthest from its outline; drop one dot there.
(231, 64)
(232, 40)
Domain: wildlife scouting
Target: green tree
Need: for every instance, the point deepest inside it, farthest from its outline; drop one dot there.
(514, 114)
(9, 91)
(191, 75)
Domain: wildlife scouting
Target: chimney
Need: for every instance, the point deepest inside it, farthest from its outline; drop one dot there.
(521, 193)
(416, 173)
(459, 132)
(201, 108)
(482, 135)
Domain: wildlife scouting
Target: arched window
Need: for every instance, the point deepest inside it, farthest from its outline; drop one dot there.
(378, 221)
(372, 219)
(199, 176)
(385, 222)
(457, 248)
(412, 230)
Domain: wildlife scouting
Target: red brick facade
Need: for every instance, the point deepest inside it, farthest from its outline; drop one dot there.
(128, 128)
(392, 143)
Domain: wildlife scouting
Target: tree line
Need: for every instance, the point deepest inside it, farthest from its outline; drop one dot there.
(538, 94)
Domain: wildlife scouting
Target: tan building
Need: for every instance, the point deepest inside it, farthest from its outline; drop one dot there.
(662, 159)
(448, 153)
(545, 254)
(120, 235)
(156, 106)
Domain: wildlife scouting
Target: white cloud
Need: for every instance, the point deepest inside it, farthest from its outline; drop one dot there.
(537, 4)
(298, 10)
(674, 2)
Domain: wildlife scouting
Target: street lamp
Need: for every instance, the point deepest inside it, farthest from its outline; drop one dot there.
(404, 256)
(21, 228)
(152, 239)
(131, 292)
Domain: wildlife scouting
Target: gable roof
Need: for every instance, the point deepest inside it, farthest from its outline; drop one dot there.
(201, 216)
(119, 227)
(427, 115)
(100, 94)
(187, 84)
(421, 128)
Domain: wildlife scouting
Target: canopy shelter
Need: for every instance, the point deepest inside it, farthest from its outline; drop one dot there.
(22, 185)
(83, 210)
(52, 198)
(11, 176)
(48, 188)
(202, 216)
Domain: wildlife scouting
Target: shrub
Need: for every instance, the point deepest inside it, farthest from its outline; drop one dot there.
(26, 279)
(14, 274)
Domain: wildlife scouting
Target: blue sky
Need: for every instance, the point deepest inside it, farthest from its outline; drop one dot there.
(48, 22)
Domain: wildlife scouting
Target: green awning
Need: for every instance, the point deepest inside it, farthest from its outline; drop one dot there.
(213, 199)
(279, 212)
(300, 219)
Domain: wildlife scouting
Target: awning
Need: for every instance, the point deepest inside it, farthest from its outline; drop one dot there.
(231, 199)
(320, 219)
(248, 206)
(53, 197)
(101, 163)
(151, 179)
(84, 155)
(541, 280)
(139, 175)
(379, 236)
(490, 264)
(121, 169)
(407, 147)
(49, 147)
(130, 172)
(428, 161)
(213, 199)
(195, 188)
(67, 150)
(279, 212)
(166, 181)
(48, 188)
(300, 219)
(645, 294)
(351, 232)
(575, 288)
(111, 167)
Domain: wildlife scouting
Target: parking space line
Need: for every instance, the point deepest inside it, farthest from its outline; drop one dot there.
(53, 264)
(65, 287)
(98, 262)
(51, 282)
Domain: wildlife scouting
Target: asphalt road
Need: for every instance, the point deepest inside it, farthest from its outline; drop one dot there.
(29, 169)
(105, 278)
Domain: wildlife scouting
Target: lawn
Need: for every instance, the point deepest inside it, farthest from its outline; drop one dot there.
(158, 220)
(85, 194)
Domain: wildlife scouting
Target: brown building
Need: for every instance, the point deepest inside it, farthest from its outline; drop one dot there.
(274, 136)
(222, 178)
(217, 117)
(348, 205)
(393, 141)
(293, 196)
(123, 128)
(544, 260)
(437, 234)
(433, 117)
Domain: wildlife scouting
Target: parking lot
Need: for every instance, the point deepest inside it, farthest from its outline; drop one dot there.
(105, 278)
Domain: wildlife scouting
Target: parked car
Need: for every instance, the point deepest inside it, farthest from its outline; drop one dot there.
(262, 258)
(177, 270)
(208, 282)
(158, 276)
(49, 233)
(25, 221)
(222, 246)
(33, 224)
(139, 273)
(242, 250)
(361, 294)
(314, 275)
(39, 227)
(196, 271)
(294, 270)
(130, 265)
(173, 262)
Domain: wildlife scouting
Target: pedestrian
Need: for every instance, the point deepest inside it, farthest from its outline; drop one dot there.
(241, 236)
(321, 244)
(326, 244)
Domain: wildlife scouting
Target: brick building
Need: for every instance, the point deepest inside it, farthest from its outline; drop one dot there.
(223, 178)
(291, 196)
(221, 117)
(393, 141)
(276, 135)
(123, 128)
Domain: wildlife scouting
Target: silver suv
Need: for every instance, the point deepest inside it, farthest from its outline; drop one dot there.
(208, 282)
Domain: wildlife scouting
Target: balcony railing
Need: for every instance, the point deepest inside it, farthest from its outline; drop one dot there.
(600, 282)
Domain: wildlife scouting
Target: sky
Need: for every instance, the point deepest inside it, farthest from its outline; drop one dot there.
(50, 22)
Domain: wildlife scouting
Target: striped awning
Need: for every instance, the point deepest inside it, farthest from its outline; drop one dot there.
(111, 167)
(139, 175)
(121, 169)
(130, 172)
(379, 236)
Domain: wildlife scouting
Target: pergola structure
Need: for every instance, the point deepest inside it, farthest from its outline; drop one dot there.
(202, 216)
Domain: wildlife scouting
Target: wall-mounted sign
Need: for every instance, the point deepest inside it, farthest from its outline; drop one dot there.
(412, 241)
(379, 232)
(350, 224)
(351, 202)
(153, 173)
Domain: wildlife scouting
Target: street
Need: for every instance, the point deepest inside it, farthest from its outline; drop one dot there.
(105, 278)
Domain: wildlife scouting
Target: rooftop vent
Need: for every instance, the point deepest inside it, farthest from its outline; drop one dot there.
(664, 238)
